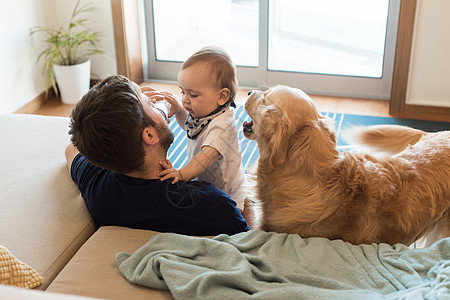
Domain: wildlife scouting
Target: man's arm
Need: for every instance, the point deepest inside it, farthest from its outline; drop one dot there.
(71, 152)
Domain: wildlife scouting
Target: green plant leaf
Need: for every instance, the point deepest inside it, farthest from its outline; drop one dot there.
(68, 46)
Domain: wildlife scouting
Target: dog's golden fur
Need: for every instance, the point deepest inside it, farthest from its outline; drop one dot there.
(307, 187)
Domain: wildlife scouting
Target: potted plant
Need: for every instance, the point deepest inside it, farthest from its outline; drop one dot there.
(67, 67)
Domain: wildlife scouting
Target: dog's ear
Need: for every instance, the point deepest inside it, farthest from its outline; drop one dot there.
(313, 145)
(274, 135)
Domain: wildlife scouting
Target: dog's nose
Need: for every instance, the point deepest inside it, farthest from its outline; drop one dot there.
(249, 93)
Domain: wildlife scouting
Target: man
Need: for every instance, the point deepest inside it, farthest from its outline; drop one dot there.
(119, 144)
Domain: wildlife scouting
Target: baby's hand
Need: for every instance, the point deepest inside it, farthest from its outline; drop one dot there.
(175, 104)
(169, 172)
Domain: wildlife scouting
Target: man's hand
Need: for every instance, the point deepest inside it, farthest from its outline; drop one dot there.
(169, 172)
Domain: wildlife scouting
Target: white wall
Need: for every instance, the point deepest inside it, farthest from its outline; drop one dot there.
(105, 64)
(21, 80)
(429, 77)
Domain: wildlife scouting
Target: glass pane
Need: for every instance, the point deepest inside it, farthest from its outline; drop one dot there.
(345, 37)
(184, 26)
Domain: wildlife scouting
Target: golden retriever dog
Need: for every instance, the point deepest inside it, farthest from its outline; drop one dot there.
(305, 186)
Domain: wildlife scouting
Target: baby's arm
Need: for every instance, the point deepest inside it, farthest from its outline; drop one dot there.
(176, 108)
(195, 167)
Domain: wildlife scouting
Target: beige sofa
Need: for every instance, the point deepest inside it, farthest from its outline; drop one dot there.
(44, 222)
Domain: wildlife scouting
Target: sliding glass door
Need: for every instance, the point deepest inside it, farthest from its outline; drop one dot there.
(328, 47)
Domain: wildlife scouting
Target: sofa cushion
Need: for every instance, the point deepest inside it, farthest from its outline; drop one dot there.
(44, 220)
(93, 271)
(14, 293)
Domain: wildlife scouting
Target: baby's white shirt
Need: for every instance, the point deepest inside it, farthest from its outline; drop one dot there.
(226, 172)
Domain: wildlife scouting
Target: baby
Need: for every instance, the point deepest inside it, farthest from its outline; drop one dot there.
(208, 87)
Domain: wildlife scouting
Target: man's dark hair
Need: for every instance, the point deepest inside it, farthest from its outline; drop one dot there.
(106, 125)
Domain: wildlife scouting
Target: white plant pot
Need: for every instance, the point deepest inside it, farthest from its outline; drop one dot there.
(73, 81)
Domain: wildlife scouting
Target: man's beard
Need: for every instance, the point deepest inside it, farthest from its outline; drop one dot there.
(165, 135)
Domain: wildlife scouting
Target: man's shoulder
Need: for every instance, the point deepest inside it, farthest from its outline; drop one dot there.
(201, 189)
(204, 192)
(81, 163)
(84, 172)
(200, 185)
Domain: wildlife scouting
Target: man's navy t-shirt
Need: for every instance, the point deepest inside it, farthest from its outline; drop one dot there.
(192, 208)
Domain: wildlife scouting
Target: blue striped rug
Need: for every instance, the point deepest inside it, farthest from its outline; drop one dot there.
(178, 155)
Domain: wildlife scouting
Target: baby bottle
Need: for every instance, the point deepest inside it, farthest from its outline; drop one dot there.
(163, 107)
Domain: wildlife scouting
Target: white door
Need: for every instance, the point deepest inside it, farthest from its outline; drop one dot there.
(326, 47)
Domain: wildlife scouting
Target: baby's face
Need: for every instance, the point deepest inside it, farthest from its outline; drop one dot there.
(199, 95)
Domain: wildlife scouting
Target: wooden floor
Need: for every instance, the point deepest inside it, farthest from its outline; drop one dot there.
(54, 107)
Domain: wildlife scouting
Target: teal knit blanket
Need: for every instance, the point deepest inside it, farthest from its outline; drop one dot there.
(262, 265)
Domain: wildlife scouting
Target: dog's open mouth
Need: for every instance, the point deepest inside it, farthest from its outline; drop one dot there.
(247, 126)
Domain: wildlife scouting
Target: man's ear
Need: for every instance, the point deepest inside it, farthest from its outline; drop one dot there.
(224, 95)
(150, 136)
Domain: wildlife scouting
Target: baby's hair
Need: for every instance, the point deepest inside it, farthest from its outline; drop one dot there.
(220, 65)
